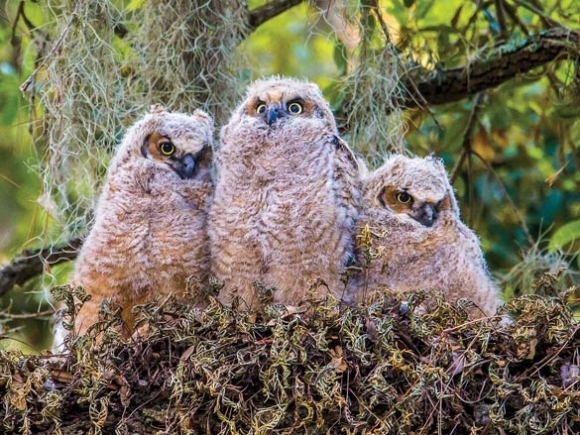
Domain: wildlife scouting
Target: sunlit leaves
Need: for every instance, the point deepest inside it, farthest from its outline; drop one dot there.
(565, 235)
(135, 4)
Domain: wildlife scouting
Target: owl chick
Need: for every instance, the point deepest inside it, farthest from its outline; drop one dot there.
(414, 236)
(287, 192)
(149, 236)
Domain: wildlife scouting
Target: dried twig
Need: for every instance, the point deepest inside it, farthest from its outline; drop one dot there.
(467, 136)
(536, 9)
(500, 14)
(377, 12)
(24, 87)
(511, 11)
(507, 196)
(13, 316)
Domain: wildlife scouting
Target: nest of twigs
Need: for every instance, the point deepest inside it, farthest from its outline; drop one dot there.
(384, 368)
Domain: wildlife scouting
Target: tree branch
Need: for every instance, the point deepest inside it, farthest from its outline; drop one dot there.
(24, 87)
(466, 147)
(268, 11)
(11, 316)
(32, 263)
(506, 62)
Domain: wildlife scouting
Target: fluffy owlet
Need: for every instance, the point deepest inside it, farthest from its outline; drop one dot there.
(149, 236)
(413, 236)
(287, 192)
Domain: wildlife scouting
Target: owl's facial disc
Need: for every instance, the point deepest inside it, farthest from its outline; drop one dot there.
(160, 148)
(277, 108)
(402, 202)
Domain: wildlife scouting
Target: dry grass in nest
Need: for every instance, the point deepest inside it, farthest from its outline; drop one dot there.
(382, 368)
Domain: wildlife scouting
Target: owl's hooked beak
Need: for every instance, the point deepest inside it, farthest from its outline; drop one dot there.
(274, 112)
(426, 214)
(185, 166)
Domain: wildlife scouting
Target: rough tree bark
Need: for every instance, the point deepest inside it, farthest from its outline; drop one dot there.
(503, 64)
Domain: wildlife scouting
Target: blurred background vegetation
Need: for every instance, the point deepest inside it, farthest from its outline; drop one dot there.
(74, 74)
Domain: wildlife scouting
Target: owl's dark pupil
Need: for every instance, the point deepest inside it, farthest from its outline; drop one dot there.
(404, 197)
(295, 108)
(261, 108)
(167, 148)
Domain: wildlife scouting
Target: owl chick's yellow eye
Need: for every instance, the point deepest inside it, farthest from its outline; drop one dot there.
(404, 197)
(167, 148)
(261, 108)
(295, 108)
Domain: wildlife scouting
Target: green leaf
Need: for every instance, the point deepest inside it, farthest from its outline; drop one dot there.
(565, 234)
(340, 56)
(135, 4)
(408, 3)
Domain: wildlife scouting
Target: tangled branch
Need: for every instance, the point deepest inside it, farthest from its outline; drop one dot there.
(32, 263)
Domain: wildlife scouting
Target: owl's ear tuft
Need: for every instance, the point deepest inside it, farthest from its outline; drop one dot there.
(397, 164)
(204, 117)
(437, 161)
(157, 108)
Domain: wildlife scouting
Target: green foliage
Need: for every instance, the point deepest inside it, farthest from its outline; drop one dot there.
(296, 43)
(18, 183)
(566, 234)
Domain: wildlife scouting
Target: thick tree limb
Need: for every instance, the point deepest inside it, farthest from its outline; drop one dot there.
(505, 63)
(32, 263)
(268, 11)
